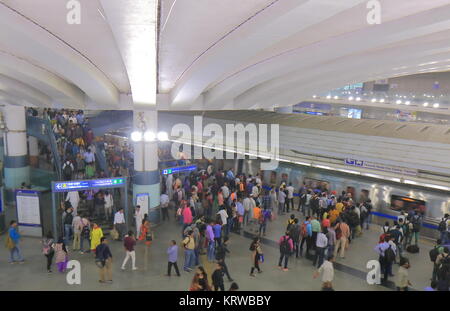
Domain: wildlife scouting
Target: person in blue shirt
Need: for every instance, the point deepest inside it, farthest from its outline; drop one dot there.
(217, 228)
(380, 249)
(172, 254)
(306, 233)
(15, 237)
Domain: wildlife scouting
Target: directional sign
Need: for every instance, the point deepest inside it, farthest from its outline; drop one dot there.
(178, 169)
(65, 186)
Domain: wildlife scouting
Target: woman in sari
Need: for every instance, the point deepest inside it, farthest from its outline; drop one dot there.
(96, 235)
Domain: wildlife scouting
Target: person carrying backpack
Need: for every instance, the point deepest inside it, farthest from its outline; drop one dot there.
(48, 249)
(294, 233)
(434, 253)
(286, 249)
(67, 170)
(443, 229)
(306, 233)
(443, 270)
(386, 257)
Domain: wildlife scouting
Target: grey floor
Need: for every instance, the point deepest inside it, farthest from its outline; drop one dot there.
(349, 275)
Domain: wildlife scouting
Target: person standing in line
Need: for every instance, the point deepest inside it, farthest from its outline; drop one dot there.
(247, 203)
(217, 278)
(315, 226)
(327, 271)
(12, 243)
(172, 253)
(286, 248)
(402, 275)
(68, 220)
(61, 258)
(85, 234)
(211, 241)
(104, 256)
(290, 197)
(321, 246)
(306, 233)
(256, 255)
(76, 227)
(119, 223)
(281, 201)
(189, 256)
(164, 201)
(48, 244)
(217, 228)
(331, 237)
(109, 203)
(129, 243)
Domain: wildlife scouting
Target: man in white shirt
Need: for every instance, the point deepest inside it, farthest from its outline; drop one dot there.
(255, 192)
(281, 201)
(164, 201)
(74, 198)
(327, 271)
(290, 197)
(109, 203)
(321, 246)
(119, 223)
(248, 206)
(223, 216)
(225, 192)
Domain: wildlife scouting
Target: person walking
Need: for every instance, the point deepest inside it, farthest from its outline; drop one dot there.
(327, 271)
(61, 257)
(172, 253)
(104, 257)
(306, 233)
(217, 278)
(286, 248)
(256, 255)
(221, 252)
(48, 249)
(129, 243)
(12, 243)
(189, 256)
(403, 282)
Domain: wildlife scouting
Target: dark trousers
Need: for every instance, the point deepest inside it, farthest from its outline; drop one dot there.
(320, 254)
(314, 239)
(306, 239)
(169, 268)
(255, 264)
(218, 241)
(225, 269)
(286, 259)
(165, 213)
(219, 286)
(296, 246)
(291, 203)
(49, 260)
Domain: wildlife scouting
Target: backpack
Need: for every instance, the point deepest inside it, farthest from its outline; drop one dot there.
(285, 248)
(85, 231)
(444, 268)
(9, 243)
(294, 231)
(442, 225)
(389, 255)
(304, 230)
(68, 219)
(67, 170)
(338, 232)
(412, 249)
(434, 253)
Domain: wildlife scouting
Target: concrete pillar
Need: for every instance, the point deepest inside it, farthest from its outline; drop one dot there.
(16, 166)
(147, 178)
(33, 149)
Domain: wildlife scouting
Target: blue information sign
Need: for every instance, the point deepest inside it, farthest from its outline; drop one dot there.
(77, 185)
(178, 169)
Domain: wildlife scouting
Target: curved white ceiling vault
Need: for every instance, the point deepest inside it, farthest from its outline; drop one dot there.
(209, 54)
(277, 53)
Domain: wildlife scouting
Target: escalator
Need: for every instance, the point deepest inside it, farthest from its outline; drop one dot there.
(42, 129)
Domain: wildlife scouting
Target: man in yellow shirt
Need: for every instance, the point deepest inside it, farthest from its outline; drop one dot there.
(334, 214)
(189, 255)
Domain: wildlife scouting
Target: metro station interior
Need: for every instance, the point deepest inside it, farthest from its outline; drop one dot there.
(126, 116)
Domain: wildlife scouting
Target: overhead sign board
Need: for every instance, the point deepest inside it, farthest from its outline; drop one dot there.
(179, 169)
(77, 185)
(381, 167)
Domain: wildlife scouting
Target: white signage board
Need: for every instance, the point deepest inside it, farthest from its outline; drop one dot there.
(142, 199)
(28, 212)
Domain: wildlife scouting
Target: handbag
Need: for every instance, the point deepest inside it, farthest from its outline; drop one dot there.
(114, 234)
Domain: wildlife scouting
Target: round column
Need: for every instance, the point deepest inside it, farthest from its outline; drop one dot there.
(16, 167)
(146, 179)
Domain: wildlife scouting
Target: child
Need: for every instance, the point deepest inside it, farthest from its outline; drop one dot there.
(61, 255)
(172, 253)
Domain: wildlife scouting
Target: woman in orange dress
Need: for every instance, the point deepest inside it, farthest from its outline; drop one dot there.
(146, 235)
